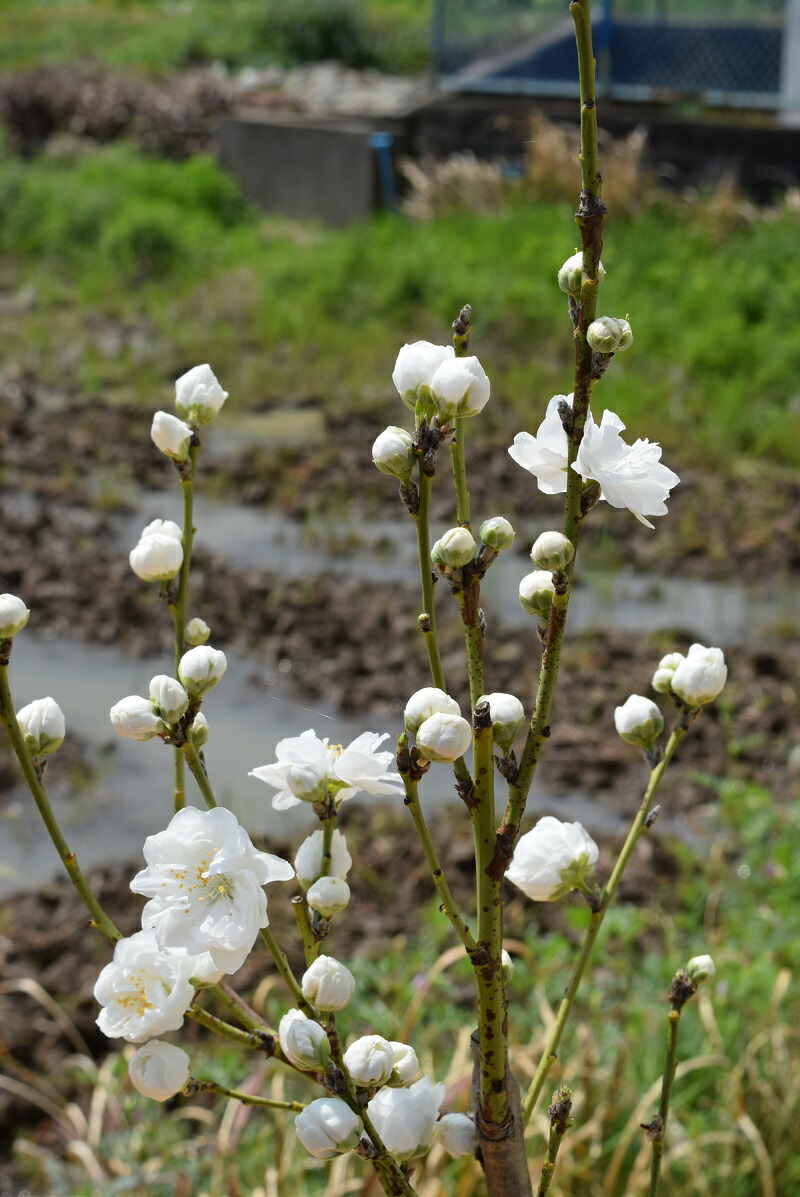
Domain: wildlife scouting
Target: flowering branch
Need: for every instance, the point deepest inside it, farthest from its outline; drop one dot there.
(285, 971)
(226, 1030)
(186, 472)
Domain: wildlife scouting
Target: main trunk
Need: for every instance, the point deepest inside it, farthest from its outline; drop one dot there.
(502, 1147)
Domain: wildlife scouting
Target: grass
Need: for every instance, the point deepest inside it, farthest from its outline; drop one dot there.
(143, 266)
(733, 1126)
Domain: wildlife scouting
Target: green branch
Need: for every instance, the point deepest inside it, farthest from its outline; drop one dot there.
(428, 618)
(192, 756)
(186, 471)
(247, 1099)
(673, 1027)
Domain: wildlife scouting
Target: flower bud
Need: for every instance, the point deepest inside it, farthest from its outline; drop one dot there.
(497, 533)
(415, 367)
(570, 276)
(157, 558)
(328, 984)
(134, 718)
(507, 965)
(198, 732)
(308, 861)
(393, 454)
(328, 895)
(159, 1070)
(700, 969)
(552, 552)
(508, 718)
(170, 700)
(608, 335)
(552, 859)
(536, 592)
(457, 1134)
(370, 1061)
(639, 721)
(171, 436)
(662, 678)
(701, 676)
(455, 549)
(42, 724)
(162, 528)
(13, 615)
(198, 395)
(460, 387)
(196, 632)
(406, 1065)
(304, 1042)
(200, 669)
(444, 737)
(426, 702)
(327, 1127)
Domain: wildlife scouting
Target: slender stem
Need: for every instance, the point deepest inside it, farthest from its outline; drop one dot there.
(187, 474)
(558, 1128)
(8, 717)
(428, 617)
(328, 828)
(580, 11)
(286, 974)
(247, 1099)
(225, 1029)
(460, 472)
(384, 1162)
(469, 602)
(606, 898)
(673, 1027)
(448, 905)
(196, 765)
(240, 1008)
(307, 936)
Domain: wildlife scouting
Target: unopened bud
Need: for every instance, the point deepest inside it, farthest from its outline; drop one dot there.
(196, 632)
(328, 895)
(13, 615)
(639, 721)
(170, 700)
(393, 453)
(536, 592)
(507, 965)
(199, 730)
(171, 435)
(497, 533)
(444, 737)
(42, 724)
(662, 678)
(570, 276)
(609, 335)
(552, 551)
(200, 669)
(508, 718)
(455, 549)
(700, 969)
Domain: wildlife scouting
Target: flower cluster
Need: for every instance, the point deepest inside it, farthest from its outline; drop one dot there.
(198, 400)
(138, 718)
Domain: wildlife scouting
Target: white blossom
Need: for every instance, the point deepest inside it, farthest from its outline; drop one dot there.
(536, 592)
(545, 455)
(201, 668)
(415, 367)
(662, 678)
(13, 615)
(552, 859)
(639, 721)
(304, 1042)
(196, 632)
(327, 1127)
(426, 702)
(405, 1119)
(159, 1070)
(156, 558)
(198, 395)
(143, 991)
(170, 700)
(393, 453)
(457, 1134)
(455, 549)
(630, 476)
(42, 724)
(444, 737)
(701, 676)
(406, 1064)
(170, 435)
(308, 768)
(205, 883)
(162, 528)
(134, 718)
(370, 1061)
(328, 895)
(328, 984)
(308, 861)
(460, 387)
(508, 717)
(552, 551)
(701, 968)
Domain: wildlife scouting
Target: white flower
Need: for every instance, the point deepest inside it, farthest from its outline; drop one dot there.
(508, 717)
(159, 1070)
(570, 276)
(630, 476)
(328, 895)
(426, 702)
(552, 859)
(405, 1119)
(497, 533)
(552, 551)
(460, 387)
(545, 455)
(308, 861)
(304, 1042)
(455, 549)
(198, 395)
(134, 718)
(171, 435)
(370, 1061)
(327, 1127)
(662, 678)
(170, 700)
(162, 528)
(415, 367)
(639, 721)
(196, 632)
(156, 558)
(307, 768)
(201, 668)
(205, 883)
(328, 984)
(701, 676)
(406, 1064)
(536, 592)
(701, 968)
(143, 991)
(13, 615)
(42, 724)
(457, 1134)
(444, 737)
(393, 453)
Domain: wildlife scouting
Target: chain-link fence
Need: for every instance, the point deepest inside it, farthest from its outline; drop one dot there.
(719, 52)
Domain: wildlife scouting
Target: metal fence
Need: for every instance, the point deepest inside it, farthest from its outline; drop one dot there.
(719, 52)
